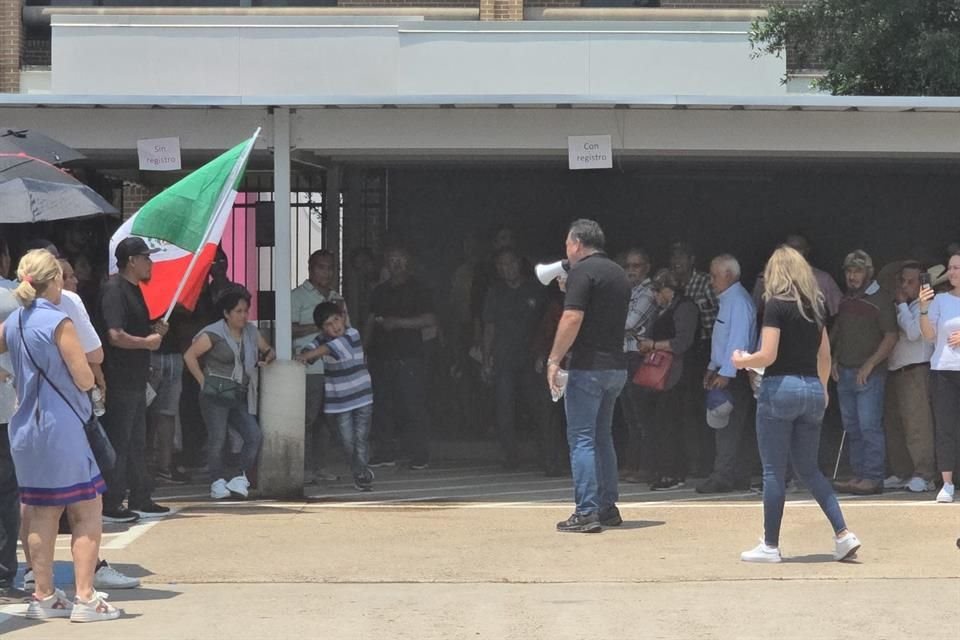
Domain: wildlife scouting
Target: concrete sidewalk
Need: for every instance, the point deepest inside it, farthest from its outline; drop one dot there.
(404, 563)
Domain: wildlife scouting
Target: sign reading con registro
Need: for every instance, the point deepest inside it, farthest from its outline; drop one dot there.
(590, 152)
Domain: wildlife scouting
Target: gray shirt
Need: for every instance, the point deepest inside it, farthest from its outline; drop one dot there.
(8, 393)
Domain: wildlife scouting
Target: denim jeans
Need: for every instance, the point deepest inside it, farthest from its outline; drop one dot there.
(354, 428)
(861, 408)
(789, 416)
(590, 399)
(9, 513)
(219, 419)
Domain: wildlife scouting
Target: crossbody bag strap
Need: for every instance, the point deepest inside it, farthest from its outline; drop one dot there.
(23, 340)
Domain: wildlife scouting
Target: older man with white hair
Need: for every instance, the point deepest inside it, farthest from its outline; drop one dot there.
(729, 399)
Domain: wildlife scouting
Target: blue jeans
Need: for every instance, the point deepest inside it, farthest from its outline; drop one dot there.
(590, 399)
(354, 428)
(861, 408)
(789, 416)
(218, 419)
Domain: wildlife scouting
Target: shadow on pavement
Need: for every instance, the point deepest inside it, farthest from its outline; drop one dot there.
(817, 558)
(637, 524)
(141, 594)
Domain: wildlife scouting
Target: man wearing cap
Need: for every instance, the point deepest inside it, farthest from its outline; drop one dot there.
(729, 395)
(129, 338)
(907, 416)
(862, 337)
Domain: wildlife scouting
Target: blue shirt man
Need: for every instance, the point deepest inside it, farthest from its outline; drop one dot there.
(735, 328)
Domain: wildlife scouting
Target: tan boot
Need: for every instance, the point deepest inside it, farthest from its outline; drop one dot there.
(865, 487)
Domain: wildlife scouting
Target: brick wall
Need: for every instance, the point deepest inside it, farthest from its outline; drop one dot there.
(135, 195)
(11, 37)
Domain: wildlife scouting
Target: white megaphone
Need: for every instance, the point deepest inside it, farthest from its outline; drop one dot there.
(547, 273)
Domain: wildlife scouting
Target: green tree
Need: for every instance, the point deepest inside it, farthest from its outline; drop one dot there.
(869, 47)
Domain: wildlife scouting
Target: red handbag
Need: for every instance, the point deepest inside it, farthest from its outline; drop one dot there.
(654, 371)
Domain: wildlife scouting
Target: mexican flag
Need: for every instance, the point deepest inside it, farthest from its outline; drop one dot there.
(184, 224)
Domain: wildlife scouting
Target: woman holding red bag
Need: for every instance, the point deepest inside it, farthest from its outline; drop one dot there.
(674, 331)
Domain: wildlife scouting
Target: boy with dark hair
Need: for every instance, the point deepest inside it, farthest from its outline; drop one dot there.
(348, 391)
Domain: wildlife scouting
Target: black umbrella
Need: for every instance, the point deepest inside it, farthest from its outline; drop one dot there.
(32, 190)
(36, 145)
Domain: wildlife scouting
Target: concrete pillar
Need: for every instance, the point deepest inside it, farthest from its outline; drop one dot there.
(282, 414)
(283, 384)
(11, 45)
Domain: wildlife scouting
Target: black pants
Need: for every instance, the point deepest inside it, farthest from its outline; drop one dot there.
(698, 445)
(9, 513)
(400, 408)
(126, 426)
(193, 430)
(512, 386)
(945, 388)
(735, 443)
(662, 427)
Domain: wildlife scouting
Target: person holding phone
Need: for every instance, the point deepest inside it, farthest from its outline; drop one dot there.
(940, 324)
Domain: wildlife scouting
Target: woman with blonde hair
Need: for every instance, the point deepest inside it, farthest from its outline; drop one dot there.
(795, 352)
(55, 467)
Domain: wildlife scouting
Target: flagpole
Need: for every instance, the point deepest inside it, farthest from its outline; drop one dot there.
(221, 202)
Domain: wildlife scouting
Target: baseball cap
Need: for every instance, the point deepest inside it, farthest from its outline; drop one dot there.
(132, 246)
(719, 408)
(858, 260)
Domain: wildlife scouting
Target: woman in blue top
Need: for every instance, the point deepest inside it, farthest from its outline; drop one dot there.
(55, 467)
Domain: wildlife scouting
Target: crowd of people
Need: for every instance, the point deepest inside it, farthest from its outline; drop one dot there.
(689, 361)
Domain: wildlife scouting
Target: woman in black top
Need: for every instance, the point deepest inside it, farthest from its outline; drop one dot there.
(674, 330)
(795, 352)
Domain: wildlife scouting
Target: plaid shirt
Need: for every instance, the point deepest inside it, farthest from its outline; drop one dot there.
(699, 290)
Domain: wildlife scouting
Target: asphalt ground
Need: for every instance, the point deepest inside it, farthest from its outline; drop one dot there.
(469, 551)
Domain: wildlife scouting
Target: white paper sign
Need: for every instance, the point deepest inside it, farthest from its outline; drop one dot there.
(590, 152)
(159, 154)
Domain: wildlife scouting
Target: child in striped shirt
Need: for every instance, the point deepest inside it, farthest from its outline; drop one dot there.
(348, 392)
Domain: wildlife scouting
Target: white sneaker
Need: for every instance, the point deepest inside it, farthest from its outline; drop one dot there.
(762, 553)
(95, 610)
(29, 582)
(107, 577)
(239, 485)
(218, 490)
(53, 606)
(919, 485)
(894, 482)
(946, 493)
(845, 548)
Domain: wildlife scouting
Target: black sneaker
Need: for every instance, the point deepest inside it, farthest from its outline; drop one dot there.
(175, 476)
(382, 462)
(12, 595)
(151, 509)
(418, 466)
(666, 483)
(119, 515)
(580, 524)
(362, 484)
(714, 485)
(610, 517)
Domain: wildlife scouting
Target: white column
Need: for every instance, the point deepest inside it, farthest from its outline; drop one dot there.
(283, 384)
(281, 222)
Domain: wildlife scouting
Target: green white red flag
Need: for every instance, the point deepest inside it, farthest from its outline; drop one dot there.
(184, 224)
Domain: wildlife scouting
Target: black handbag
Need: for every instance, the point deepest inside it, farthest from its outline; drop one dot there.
(223, 391)
(103, 451)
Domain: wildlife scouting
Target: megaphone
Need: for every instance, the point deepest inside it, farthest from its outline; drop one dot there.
(547, 273)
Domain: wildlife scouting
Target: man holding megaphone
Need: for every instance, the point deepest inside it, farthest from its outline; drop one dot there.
(591, 332)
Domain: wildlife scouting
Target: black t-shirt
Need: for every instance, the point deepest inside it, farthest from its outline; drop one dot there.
(122, 307)
(514, 314)
(407, 300)
(799, 339)
(598, 286)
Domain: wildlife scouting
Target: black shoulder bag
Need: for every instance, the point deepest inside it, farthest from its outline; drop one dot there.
(103, 451)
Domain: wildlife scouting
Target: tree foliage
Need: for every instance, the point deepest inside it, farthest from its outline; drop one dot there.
(870, 47)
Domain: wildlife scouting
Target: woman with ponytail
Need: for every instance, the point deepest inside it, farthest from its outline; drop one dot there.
(55, 467)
